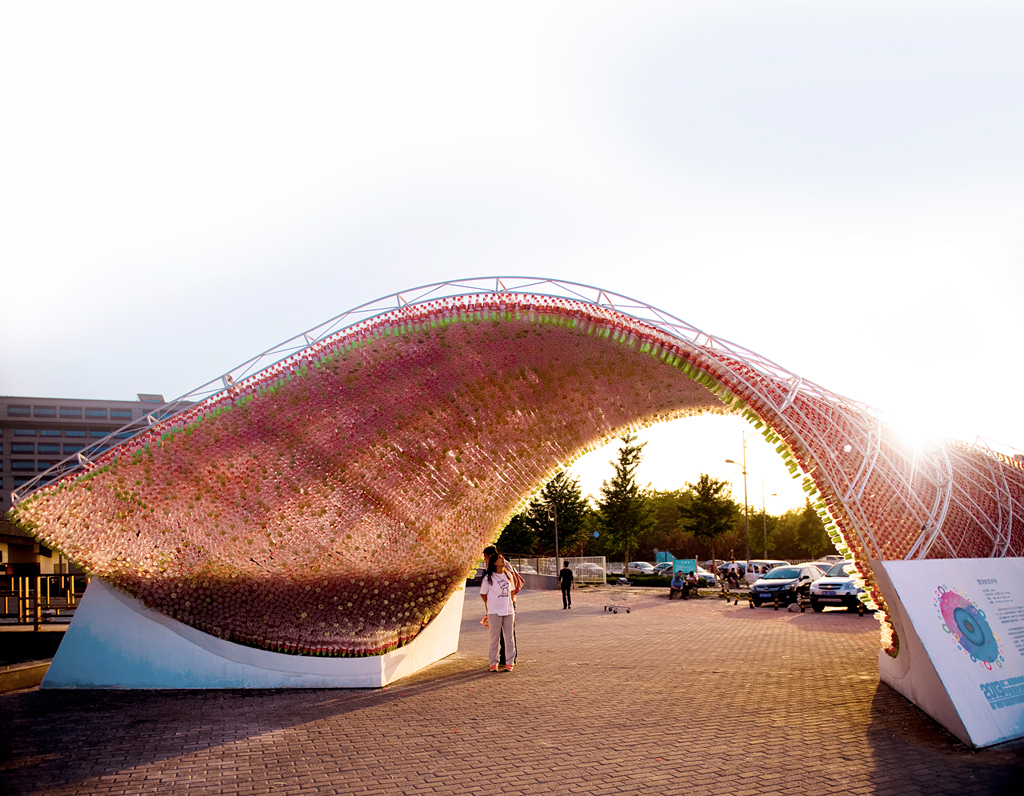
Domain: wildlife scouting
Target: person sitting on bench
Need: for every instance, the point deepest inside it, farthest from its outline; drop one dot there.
(677, 587)
(691, 584)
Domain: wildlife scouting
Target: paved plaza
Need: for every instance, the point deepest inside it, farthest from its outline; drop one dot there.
(689, 698)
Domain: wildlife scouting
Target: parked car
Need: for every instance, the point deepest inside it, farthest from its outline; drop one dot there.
(589, 570)
(788, 582)
(739, 566)
(836, 588)
(639, 568)
(710, 578)
(665, 568)
(758, 568)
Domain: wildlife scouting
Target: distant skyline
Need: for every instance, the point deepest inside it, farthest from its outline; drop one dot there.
(836, 186)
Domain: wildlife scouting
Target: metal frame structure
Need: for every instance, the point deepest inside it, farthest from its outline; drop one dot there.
(364, 314)
(881, 495)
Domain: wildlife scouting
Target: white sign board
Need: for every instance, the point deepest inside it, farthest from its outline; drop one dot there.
(961, 629)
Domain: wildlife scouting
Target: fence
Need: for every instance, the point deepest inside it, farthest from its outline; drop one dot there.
(586, 569)
(36, 599)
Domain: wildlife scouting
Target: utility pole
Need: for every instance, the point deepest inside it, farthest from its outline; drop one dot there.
(746, 511)
(764, 518)
(553, 513)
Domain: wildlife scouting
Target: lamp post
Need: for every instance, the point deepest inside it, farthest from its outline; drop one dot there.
(764, 519)
(746, 512)
(553, 513)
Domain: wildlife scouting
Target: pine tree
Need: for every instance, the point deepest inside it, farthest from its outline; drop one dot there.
(562, 494)
(711, 512)
(623, 511)
(811, 537)
(532, 531)
(517, 538)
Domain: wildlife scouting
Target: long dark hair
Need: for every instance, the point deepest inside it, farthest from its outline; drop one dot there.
(492, 567)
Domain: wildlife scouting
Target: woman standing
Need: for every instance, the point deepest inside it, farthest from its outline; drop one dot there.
(497, 591)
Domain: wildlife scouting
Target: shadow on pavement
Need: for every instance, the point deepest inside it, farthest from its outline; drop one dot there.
(64, 737)
(902, 735)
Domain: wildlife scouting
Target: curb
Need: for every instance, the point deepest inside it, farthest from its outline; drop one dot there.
(23, 675)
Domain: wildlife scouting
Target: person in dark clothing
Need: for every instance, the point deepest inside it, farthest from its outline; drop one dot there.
(565, 580)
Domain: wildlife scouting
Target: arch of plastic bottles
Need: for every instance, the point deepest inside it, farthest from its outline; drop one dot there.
(329, 495)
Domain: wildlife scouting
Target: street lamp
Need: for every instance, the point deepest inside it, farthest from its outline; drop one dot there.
(746, 513)
(549, 506)
(553, 514)
(764, 518)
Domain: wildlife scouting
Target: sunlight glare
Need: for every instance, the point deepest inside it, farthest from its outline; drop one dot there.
(678, 452)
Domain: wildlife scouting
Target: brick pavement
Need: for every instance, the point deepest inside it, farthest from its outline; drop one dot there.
(695, 697)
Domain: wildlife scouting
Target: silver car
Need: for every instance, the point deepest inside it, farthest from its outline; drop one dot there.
(665, 568)
(711, 579)
(836, 588)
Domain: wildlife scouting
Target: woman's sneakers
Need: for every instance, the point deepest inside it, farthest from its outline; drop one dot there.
(508, 667)
(494, 668)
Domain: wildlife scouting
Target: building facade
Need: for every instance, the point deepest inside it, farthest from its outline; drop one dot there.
(37, 434)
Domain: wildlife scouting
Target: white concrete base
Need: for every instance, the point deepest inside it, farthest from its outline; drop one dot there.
(981, 705)
(115, 642)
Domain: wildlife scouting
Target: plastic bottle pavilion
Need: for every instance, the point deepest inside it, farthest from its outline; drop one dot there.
(328, 496)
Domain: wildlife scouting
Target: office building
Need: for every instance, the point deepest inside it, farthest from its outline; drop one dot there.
(36, 434)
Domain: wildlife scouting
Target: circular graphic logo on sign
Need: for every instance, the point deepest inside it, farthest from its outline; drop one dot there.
(966, 624)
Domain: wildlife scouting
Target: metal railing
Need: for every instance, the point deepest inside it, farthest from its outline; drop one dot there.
(42, 599)
(470, 291)
(585, 569)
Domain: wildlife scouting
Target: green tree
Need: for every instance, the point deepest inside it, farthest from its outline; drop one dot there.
(784, 540)
(517, 537)
(711, 512)
(596, 545)
(622, 510)
(562, 494)
(666, 533)
(763, 532)
(799, 534)
(811, 537)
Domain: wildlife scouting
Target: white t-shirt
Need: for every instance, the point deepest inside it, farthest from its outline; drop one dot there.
(499, 594)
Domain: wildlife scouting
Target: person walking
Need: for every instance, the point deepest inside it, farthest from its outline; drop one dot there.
(518, 582)
(497, 591)
(565, 581)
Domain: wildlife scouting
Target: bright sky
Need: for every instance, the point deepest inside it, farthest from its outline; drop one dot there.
(838, 186)
(678, 452)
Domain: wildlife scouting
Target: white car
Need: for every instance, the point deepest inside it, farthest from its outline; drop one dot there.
(836, 588)
(639, 568)
(758, 568)
(588, 570)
